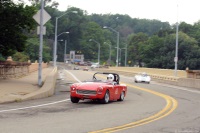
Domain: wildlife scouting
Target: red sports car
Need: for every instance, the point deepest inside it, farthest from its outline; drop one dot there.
(103, 91)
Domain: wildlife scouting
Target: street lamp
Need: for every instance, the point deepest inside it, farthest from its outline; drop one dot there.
(55, 43)
(176, 52)
(61, 41)
(65, 47)
(125, 54)
(119, 54)
(62, 33)
(105, 27)
(98, 49)
(109, 52)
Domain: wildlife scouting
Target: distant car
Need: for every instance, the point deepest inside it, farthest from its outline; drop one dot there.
(76, 68)
(142, 77)
(85, 69)
(99, 90)
(95, 65)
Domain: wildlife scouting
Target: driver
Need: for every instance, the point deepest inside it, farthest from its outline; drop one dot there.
(110, 77)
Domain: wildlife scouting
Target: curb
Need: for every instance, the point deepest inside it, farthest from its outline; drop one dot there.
(46, 90)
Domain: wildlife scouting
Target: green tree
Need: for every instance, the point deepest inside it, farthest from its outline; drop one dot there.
(160, 52)
(16, 21)
(135, 48)
(32, 50)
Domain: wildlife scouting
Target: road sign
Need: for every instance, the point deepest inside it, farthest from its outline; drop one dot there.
(46, 17)
(175, 59)
(44, 30)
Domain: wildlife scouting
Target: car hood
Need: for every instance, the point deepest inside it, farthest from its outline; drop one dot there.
(89, 85)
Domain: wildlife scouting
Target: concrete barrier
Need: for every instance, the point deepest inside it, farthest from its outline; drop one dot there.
(46, 90)
(159, 75)
(189, 82)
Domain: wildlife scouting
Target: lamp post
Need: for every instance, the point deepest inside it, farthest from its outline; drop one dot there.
(62, 33)
(125, 54)
(65, 44)
(55, 43)
(119, 49)
(98, 49)
(125, 57)
(105, 27)
(176, 52)
(65, 51)
(109, 52)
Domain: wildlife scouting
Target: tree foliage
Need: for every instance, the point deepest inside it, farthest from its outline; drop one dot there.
(15, 23)
(151, 43)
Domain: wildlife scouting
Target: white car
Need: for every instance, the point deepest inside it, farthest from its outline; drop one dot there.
(95, 65)
(142, 77)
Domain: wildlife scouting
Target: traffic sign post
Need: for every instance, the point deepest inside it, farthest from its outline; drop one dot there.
(46, 17)
(41, 17)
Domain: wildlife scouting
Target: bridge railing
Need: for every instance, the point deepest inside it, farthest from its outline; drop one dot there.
(160, 75)
(13, 69)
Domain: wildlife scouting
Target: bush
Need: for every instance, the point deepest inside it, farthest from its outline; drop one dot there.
(20, 57)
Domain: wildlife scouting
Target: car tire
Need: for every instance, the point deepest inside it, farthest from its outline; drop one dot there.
(122, 95)
(74, 99)
(135, 81)
(106, 98)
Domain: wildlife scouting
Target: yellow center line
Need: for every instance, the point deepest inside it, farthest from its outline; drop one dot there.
(171, 105)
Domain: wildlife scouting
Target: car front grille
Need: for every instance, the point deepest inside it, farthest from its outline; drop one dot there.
(86, 92)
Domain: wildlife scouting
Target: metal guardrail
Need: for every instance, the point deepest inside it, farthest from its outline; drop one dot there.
(133, 73)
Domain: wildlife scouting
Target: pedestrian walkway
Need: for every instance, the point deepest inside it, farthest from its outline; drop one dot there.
(12, 90)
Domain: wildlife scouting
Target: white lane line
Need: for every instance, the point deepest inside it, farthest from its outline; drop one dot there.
(41, 105)
(73, 76)
(1, 111)
(179, 88)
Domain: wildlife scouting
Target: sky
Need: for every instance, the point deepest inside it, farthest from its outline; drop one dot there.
(171, 11)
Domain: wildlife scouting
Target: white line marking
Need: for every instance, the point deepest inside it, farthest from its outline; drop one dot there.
(73, 76)
(178, 88)
(1, 111)
(41, 105)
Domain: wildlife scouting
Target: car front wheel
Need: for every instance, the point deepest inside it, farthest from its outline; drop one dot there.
(122, 95)
(74, 100)
(106, 98)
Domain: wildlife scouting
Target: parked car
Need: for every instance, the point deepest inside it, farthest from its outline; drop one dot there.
(76, 68)
(99, 90)
(95, 65)
(85, 69)
(142, 77)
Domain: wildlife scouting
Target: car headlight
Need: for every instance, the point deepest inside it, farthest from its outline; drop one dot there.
(99, 90)
(73, 87)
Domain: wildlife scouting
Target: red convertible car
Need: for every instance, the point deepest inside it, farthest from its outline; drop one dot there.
(103, 91)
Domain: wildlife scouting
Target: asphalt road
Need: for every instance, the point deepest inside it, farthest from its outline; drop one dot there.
(147, 108)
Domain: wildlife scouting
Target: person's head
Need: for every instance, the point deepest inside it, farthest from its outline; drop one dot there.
(110, 77)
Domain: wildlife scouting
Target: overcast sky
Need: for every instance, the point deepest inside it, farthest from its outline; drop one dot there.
(163, 10)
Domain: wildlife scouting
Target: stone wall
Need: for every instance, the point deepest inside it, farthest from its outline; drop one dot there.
(13, 69)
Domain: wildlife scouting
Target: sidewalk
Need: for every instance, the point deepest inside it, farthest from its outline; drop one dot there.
(12, 90)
